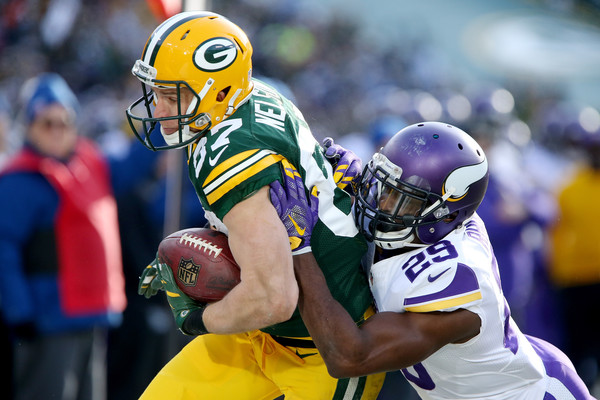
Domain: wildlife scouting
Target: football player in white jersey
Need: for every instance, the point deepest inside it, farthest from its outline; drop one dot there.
(442, 318)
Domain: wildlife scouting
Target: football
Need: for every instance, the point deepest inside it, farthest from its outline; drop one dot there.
(202, 263)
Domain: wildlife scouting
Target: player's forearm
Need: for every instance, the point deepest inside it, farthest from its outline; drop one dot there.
(268, 292)
(250, 307)
(385, 342)
(333, 330)
(266, 295)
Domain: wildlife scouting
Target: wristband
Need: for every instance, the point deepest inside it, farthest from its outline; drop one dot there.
(194, 324)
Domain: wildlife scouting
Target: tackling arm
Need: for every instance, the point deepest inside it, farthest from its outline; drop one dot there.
(386, 341)
(268, 292)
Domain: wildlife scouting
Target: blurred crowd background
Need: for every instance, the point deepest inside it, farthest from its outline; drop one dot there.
(522, 77)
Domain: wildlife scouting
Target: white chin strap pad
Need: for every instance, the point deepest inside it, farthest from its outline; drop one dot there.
(173, 138)
(396, 244)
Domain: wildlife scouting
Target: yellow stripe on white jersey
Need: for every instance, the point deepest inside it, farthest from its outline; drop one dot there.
(444, 304)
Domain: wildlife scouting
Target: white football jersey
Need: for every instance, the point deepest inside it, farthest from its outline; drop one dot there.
(460, 271)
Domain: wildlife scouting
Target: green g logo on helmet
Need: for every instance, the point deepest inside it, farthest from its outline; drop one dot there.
(215, 54)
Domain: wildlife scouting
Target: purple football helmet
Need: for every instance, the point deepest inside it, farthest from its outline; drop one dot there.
(424, 183)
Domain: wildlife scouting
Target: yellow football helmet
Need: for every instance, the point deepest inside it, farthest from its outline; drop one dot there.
(203, 52)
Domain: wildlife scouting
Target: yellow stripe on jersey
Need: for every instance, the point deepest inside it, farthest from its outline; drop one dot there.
(225, 165)
(449, 303)
(240, 170)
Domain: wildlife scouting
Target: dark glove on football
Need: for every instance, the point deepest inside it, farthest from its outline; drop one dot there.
(182, 306)
(347, 166)
(298, 215)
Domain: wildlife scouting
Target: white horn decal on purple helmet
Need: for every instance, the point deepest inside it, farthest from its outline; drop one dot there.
(460, 179)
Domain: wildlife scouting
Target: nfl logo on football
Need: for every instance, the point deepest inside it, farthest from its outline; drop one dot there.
(187, 273)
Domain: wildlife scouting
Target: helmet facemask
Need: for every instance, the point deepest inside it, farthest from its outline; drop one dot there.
(391, 208)
(198, 51)
(142, 111)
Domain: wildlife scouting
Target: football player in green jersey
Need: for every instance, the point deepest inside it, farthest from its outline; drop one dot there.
(241, 136)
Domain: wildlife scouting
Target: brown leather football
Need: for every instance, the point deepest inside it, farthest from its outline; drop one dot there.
(202, 263)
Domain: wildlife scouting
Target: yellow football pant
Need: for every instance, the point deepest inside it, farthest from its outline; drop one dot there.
(253, 366)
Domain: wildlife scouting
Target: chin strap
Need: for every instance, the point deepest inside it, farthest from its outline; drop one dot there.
(174, 138)
(185, 134)
(230, 106)
(442, 212)
(399, 244)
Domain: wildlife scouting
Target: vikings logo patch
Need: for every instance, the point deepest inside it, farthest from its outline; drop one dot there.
(187, 273)
(460, 180)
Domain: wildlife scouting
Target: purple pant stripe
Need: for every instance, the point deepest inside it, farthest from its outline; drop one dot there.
(558, 366)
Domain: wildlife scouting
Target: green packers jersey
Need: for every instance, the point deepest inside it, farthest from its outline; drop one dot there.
(245, 152)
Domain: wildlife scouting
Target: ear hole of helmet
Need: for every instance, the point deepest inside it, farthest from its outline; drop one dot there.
(225, 93)
(451, 217)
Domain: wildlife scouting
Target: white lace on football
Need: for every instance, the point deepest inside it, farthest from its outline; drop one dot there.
(204, 245)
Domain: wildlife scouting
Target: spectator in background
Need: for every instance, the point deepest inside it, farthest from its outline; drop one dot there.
(62, 282)
(5, 343)
(377, 135)
(575, 258)
(5, 129)
(516, 210)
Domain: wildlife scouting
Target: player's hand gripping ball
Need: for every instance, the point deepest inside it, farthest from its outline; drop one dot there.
(202, 264)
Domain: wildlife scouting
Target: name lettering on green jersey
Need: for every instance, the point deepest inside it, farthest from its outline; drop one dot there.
(269, 112)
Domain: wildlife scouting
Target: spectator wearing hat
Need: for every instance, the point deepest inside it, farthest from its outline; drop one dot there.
(62, 282)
